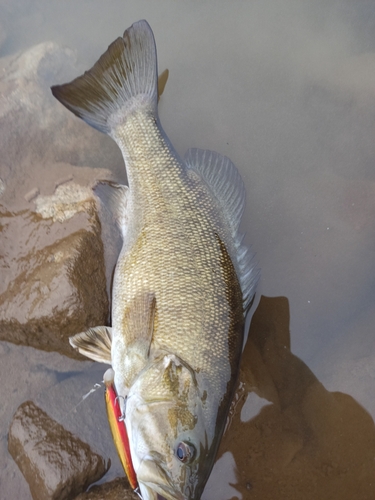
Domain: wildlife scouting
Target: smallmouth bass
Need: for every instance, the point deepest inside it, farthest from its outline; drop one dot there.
(183, 281)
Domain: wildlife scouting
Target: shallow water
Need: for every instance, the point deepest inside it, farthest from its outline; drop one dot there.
(287, 91)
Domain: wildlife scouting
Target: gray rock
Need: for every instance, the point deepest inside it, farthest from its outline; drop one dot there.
(55, 463)
(118, 489)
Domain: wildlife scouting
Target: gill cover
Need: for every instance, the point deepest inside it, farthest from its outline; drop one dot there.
(166, 422)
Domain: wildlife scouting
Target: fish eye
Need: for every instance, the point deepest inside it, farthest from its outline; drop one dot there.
(185, 452)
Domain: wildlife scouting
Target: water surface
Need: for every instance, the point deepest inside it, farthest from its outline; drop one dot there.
(286, 89)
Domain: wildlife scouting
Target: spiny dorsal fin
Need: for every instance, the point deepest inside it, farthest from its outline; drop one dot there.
(115, 199)
(124, 78)
(94, 343)
(228, 189)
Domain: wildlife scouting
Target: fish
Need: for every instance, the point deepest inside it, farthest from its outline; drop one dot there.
(183, 282)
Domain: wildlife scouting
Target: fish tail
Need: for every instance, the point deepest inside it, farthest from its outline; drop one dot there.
(124, 79)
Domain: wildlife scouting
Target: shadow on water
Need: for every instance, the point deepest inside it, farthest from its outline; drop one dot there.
(306, 442)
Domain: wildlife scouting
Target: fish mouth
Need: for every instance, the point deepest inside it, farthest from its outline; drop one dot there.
(154, 483)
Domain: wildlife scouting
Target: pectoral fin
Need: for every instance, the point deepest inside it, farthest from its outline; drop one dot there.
(95, 343)
(114, 197)
(138, 331)
(139, 320)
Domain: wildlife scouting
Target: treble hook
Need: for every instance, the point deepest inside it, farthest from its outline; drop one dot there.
(138, 492)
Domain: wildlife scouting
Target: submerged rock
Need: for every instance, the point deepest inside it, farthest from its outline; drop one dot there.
(55, 463)
(42, 143)
(118, 489)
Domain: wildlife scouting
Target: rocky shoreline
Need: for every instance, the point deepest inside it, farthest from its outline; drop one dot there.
(56, 273)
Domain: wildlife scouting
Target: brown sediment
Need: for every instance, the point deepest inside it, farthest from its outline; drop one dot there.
(308, 443)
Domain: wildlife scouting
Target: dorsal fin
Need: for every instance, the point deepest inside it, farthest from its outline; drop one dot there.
(227, 187)
(223, 179)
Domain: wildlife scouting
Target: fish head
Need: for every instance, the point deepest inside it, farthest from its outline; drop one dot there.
(167, 431)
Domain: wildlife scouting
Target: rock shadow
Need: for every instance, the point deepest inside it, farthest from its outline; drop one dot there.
(305, 442)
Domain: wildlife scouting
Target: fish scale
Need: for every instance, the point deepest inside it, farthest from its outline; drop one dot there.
(190, 254)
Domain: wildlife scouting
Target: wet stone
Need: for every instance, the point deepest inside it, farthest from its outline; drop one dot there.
(118, 489)
(51, 256)
(53, 280)
(55, 463)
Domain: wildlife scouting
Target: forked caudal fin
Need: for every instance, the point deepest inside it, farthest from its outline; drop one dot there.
(123, 79)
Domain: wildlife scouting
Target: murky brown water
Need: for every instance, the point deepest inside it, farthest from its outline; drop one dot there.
(287, 91)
